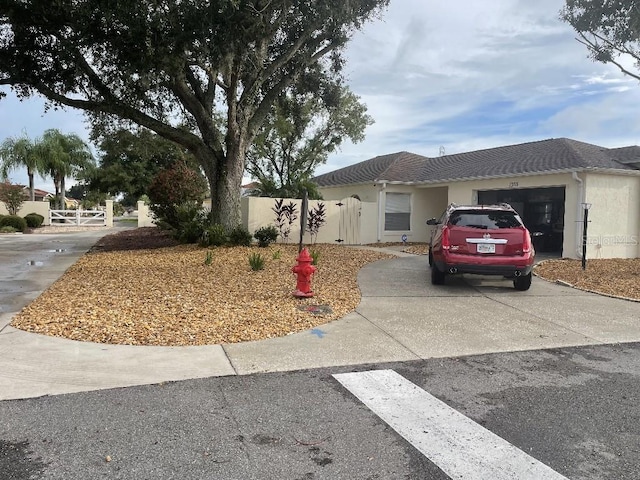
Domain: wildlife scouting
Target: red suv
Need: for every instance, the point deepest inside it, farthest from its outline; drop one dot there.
(481, 239)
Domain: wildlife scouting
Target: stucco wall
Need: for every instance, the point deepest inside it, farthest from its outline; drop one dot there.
(41, 208)
(346, 222)
(614, 216)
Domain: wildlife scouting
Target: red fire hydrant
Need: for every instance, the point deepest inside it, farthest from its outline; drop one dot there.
(305, 271)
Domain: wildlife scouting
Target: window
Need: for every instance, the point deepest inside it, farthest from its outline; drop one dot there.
(488, 220)
(397, 213)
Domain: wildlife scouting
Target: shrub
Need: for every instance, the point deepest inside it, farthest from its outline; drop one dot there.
(12, 196)
(266, 235)
(190, 221)
(34, 220)
(240, 236)
(286, 215)
(256, 261)
(213, 236)
(177, 185)
(19, 223)
(277, 254)
(7, 229)
(208, 258)
(315, 256)
(315, 220)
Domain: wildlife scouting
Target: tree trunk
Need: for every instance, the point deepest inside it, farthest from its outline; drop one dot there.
(225, 190)
(32, 193)
(63, 204)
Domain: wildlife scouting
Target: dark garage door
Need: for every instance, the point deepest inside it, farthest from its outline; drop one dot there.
(541, 209)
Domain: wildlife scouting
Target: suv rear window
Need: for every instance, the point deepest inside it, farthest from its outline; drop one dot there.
(485, 219)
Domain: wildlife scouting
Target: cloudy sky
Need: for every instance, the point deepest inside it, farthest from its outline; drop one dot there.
(453, 75)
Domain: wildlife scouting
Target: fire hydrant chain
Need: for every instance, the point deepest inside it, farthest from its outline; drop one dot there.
(304, 270)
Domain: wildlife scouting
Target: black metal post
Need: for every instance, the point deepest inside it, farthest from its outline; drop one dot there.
(585, 222)
(303, 217)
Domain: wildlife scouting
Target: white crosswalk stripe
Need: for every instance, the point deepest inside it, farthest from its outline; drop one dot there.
(459, 446)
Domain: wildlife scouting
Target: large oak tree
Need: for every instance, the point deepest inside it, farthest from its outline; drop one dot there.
(610, 29)
(171, 65)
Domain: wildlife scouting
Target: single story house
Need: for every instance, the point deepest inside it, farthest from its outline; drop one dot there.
(549, 182)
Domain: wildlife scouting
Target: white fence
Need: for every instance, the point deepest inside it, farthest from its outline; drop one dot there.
(78, 218)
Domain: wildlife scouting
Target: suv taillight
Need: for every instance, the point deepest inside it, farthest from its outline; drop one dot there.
(526, 242)
(446, 244)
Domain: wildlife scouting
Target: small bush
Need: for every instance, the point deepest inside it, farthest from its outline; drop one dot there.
(19, 223)
(208, 258)
(256, 261)
(190, 222)
(213, 236)
(240, 236)
(315, 255)
(277, 254)
(34, 220)
(266, 235)
(7, 229)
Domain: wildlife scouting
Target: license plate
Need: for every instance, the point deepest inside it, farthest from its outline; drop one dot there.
(486, 248)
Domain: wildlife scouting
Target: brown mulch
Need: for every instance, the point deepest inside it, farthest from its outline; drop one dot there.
(137, 287)
(615, 276)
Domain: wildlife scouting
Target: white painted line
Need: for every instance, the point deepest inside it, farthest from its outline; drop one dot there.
(459, 446)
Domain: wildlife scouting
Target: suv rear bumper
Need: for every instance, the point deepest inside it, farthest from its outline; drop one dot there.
(509, 266)
(504, 270)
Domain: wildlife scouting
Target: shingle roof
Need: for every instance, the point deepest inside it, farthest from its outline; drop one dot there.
(545, 156)
(393, 167)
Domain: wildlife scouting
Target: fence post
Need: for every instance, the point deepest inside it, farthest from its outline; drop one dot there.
(108, 219)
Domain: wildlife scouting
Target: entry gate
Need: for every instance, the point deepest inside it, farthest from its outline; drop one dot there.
(87, 218)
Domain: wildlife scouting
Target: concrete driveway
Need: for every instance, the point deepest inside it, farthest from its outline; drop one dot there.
(401, 317)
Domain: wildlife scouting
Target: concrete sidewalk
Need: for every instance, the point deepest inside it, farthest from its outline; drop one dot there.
(401, 317)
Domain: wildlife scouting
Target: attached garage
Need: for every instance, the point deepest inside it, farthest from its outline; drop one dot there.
(541, 209)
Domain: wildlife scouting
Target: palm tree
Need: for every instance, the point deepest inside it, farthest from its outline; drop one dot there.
(65, 156)
(18, 153)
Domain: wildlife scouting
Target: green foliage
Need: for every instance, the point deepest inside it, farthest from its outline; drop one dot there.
(315, 220)
(131, 159)
(286, 215)
(66, 155)
(202, 74)
(19, 223)
(315, 256)
(306, 124)
(191, 221)
(277, 255)
(12, 196)
(214, 236)
(18, 153)
(609, 30)
(118, 209)
(208, 259)
(240, 236)
(256, 261)
(7, 229)
(266, 235)
(174, 186)
(34, 220)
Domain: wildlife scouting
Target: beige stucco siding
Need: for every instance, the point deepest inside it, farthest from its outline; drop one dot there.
(366, 193)
(614, 217)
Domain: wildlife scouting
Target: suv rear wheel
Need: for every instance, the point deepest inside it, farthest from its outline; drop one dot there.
(437, 277)
(522, 283)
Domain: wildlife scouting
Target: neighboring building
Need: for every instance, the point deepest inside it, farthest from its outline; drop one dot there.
(548, 182)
